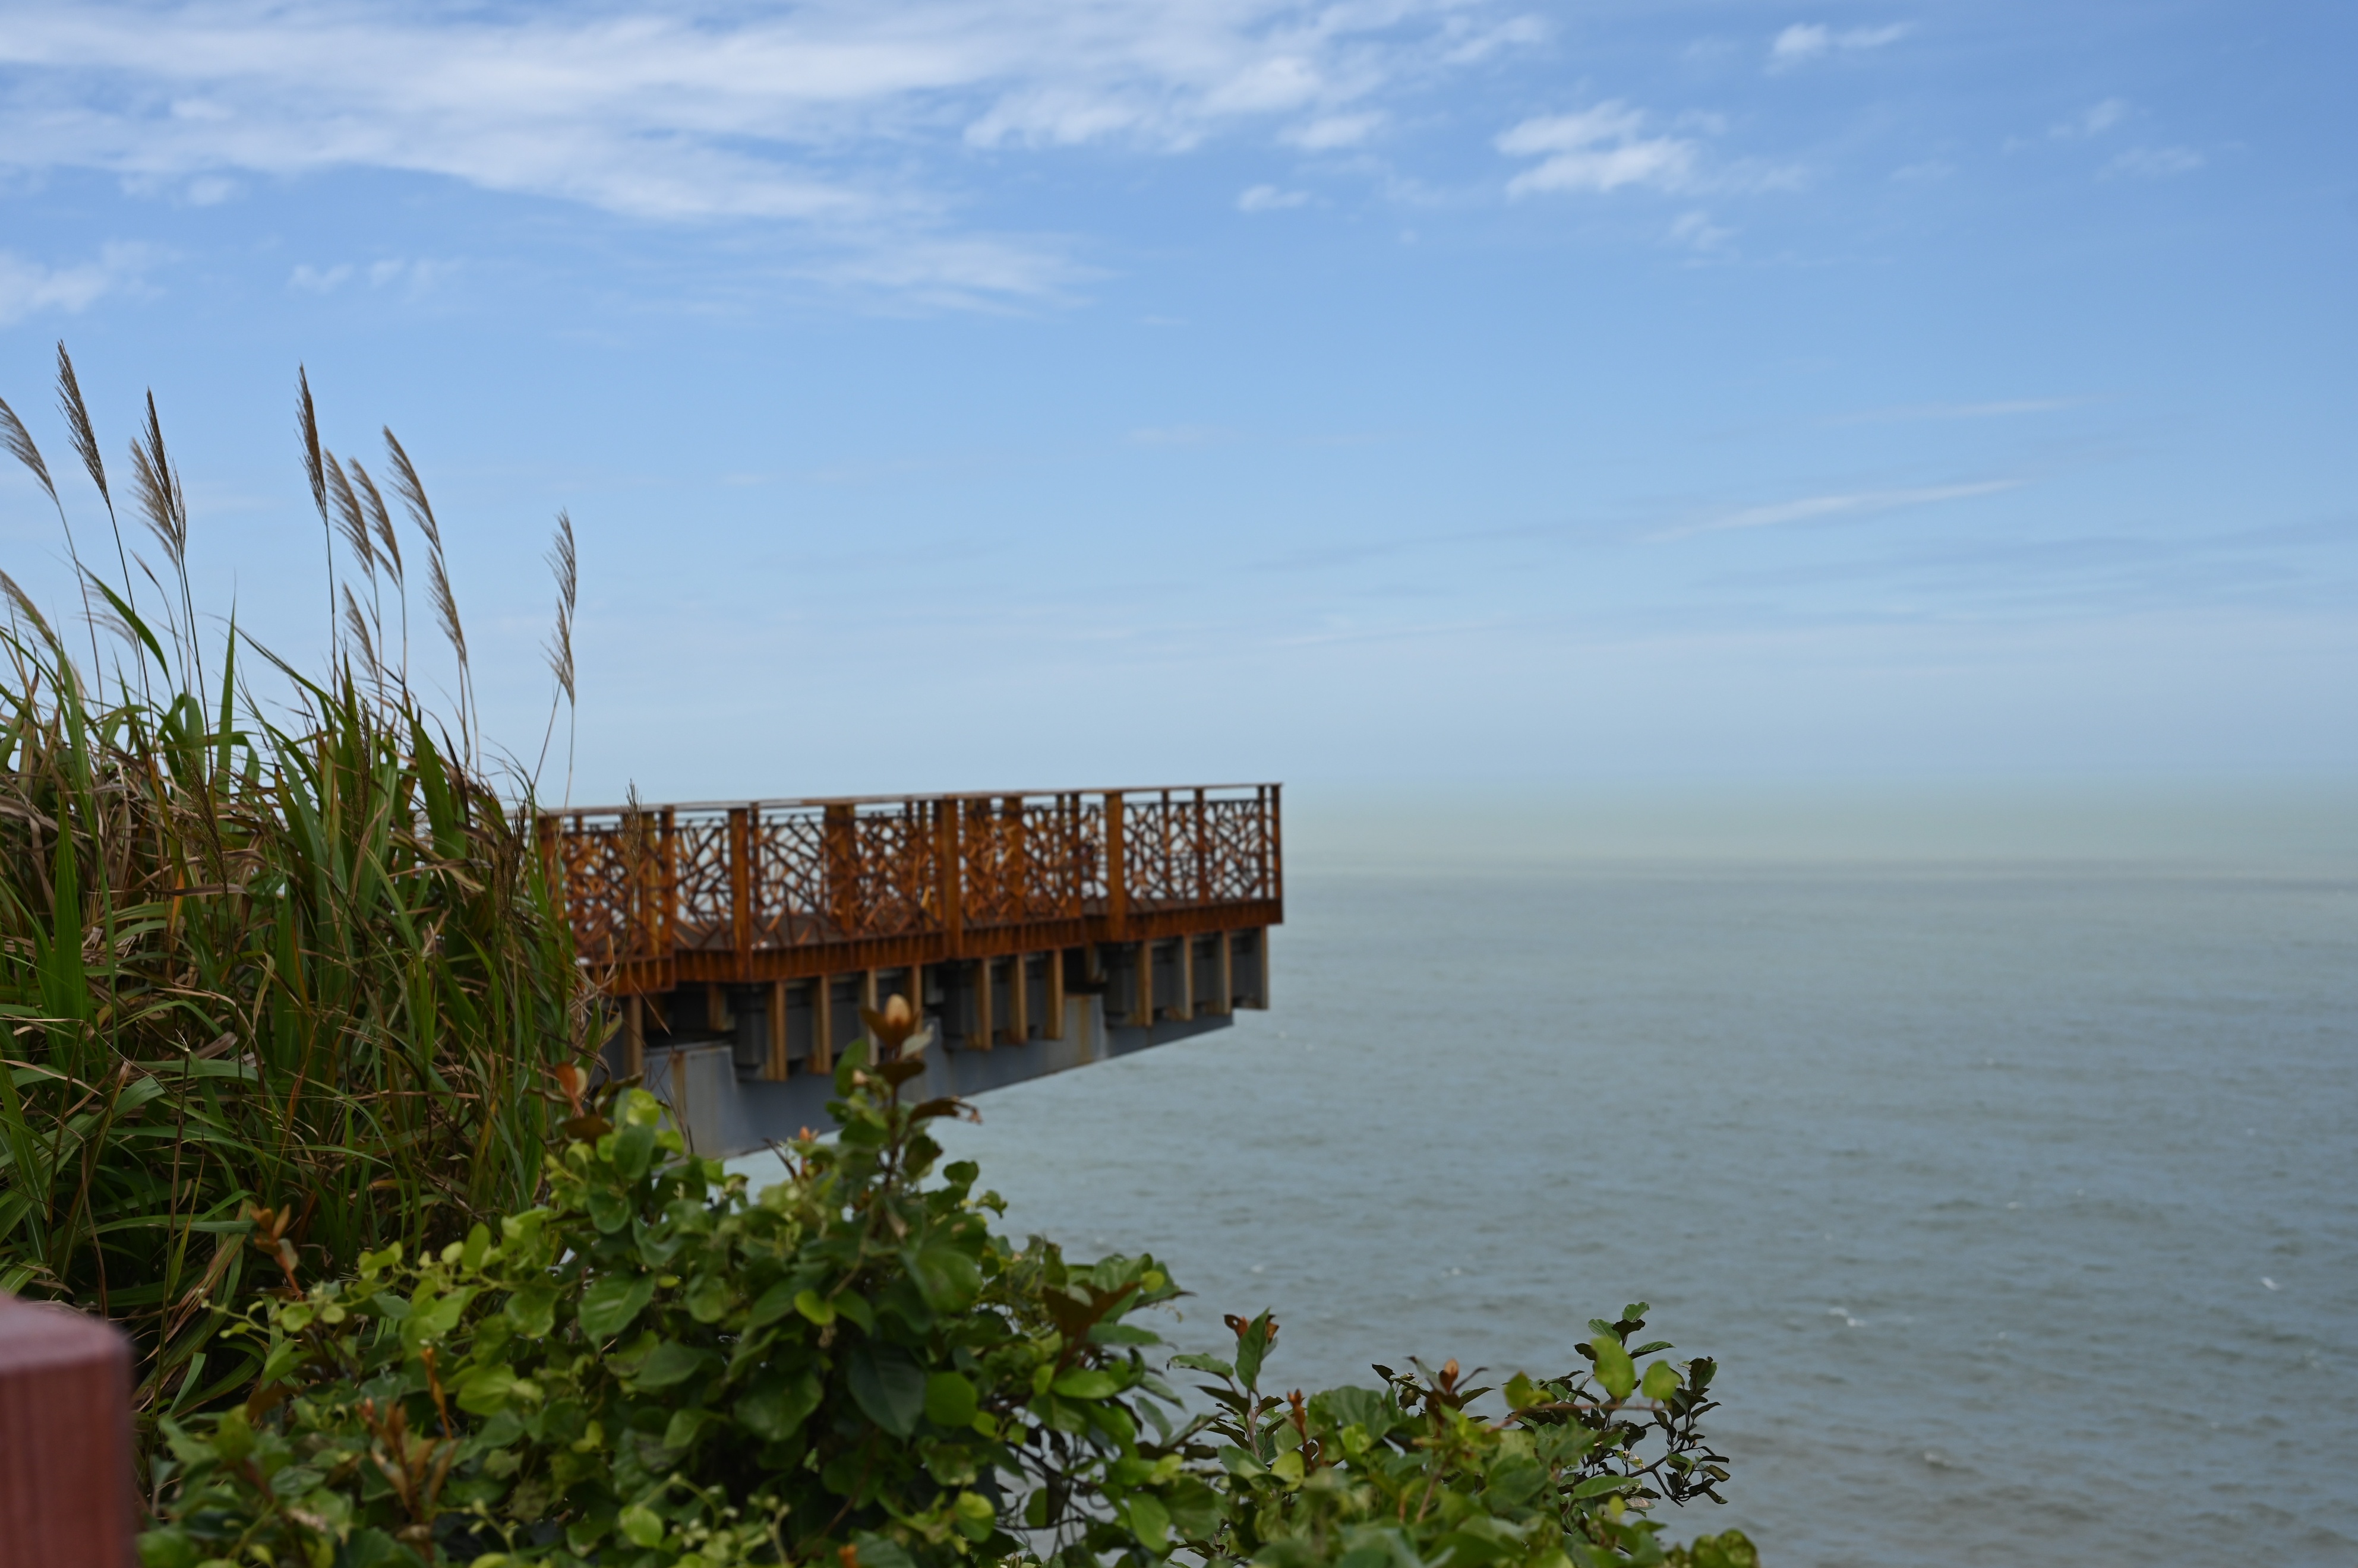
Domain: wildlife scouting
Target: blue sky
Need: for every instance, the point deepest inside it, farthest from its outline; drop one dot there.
(970, 393)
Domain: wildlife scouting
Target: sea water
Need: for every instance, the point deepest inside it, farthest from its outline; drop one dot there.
(2018, 1201)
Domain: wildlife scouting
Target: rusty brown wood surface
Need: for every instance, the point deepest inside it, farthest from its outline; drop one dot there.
(756, 892)
(65, 1440)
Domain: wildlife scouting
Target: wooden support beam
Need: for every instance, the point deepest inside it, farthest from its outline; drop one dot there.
(1055, 1028)
(716, 1010)
(741, 884)
(1228, 973)
(1018, 999)
(635, 1036)
(1141, 1014)
(868, 991)
(980, 1038)
(822, 1051)
(1186, 1005)
(1260, 967)
(774, 1067)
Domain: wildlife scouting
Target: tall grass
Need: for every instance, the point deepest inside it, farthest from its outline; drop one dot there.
(274, 990)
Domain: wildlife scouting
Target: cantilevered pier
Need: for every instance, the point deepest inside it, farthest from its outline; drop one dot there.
(1037, 930)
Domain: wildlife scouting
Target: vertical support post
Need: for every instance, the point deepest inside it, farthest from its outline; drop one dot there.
(1202, 890)
(668, 893)
(66, 1498)
(1261, 966)
(635, 1036)
(741, 887)
(716, 1008)
(1055, 1028)
(1117, 852)
(914, 988)
(1142, 1010)
(839, 858)
(775, 1068)
(981, 1039)
(1273, 873)
(953, 874)
(1018, 999)
(1227, 1003)
(1186, 1005)
(822, 1051)
(868, 991)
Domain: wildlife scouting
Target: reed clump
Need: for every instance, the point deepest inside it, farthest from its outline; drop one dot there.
(280, 981)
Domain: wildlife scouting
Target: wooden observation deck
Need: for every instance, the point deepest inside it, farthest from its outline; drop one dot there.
(989, 908)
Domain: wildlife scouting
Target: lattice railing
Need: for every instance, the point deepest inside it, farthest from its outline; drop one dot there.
(766, 876)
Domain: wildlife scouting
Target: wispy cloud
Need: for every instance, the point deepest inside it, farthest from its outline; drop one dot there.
(1695, 231)
(1853, 504)
(807, 116)
(1269, 199)
(29, 287)
(2093, 121)
(2154, 163)
(1806, 41)
(1599, 148)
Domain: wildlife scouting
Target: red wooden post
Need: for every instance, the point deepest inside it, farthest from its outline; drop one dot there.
(65, 1440)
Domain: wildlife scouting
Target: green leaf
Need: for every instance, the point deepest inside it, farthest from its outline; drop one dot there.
(888, 1386)
(642, 1525)
(533, 1311)
(1211, 1364)
(1615, 1371)
(1150, 1521)
(774, 1407)
(671, 1364)
(634, 1149)
(1662, 1380)
(168, 1548)
(950, 1400)
(611, 1304)
(812, 1305)
(879, 1552)
(485, 1389)
(1086, 1383)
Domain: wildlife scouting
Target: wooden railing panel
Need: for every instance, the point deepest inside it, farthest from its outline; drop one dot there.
(763, 889)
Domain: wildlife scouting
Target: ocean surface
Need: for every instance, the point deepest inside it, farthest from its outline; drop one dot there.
(2017, 1199)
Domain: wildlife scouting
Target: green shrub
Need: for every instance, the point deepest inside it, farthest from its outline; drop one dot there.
(657, 1368)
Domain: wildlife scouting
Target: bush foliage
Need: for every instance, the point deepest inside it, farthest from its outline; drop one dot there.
(657, 1368)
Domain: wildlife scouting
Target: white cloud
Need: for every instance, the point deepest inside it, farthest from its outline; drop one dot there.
(820, 116)
(1600, 148)
(418, 274)
(1695, 231)
(27, 287)
(2093, 121)
(1851, 505)
(1332, 131)
(2154, 163)
(1805, 41)
(1269, 199)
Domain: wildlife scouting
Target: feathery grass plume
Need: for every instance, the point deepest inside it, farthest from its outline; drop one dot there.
(351, 521)
(307, 427)
(311, 966)
(565, 564)
(19, 442)
(356, 622)
(412, 494)
(78, 427)
(388, 543)
(388, 552)
(163, 505)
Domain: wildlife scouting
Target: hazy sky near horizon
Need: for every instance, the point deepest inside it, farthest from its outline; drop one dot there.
(970, 393)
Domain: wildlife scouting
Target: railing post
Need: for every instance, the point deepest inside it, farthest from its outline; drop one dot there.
(741, 887)
(1273, 848)
(839, 858)
(667, 904)
(953, 874)
(65, 1439)
(1202, 851)
(1117, 866)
